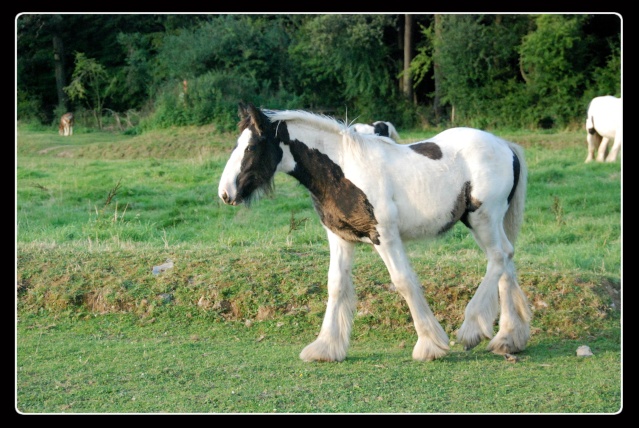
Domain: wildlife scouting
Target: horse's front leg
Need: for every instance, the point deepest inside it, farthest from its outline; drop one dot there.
(432, 340)
(332, 342)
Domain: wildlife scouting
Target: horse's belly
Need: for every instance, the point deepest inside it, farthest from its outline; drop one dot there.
(430, 211)
(425, 223)
(607, 132)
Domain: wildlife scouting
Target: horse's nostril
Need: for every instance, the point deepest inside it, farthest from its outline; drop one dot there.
(224, 196)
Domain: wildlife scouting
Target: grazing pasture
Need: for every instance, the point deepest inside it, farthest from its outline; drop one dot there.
(220, 332)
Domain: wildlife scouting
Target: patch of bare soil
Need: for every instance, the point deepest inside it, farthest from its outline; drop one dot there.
(614, 292)
(47, 150)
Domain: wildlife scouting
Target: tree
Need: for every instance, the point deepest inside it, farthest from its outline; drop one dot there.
(346, 58)
(407, 85)
(466, 67)
(477, 59)
(437, 70)
(552, 63)
(90, 84)
(424, 65)
(40, 74)
(59, 62)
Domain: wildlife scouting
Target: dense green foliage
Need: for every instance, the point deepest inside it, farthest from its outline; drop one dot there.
(221, 331)
(507, 70)
(480, 73)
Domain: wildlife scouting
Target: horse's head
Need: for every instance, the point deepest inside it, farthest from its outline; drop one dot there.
(251, 167)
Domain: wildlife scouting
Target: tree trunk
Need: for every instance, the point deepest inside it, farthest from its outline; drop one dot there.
(408, 56)
(58, 63)
(436, 68)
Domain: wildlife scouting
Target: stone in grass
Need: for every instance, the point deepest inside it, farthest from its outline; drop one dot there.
(161, 268)
(584, 351)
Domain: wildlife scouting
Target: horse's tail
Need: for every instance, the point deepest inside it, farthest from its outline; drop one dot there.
(590, 124)
(515, 214)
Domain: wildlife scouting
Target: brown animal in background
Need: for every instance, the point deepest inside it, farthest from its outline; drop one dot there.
(66, 124)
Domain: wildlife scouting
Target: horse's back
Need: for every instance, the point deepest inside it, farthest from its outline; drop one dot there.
(465, 134)
(479, 157)
(363, 128)
(474, 146)
(605, 103)
(426, 180)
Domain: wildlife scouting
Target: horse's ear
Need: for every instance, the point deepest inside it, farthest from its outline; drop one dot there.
(257, 118)
(243, 115)
(241, 110)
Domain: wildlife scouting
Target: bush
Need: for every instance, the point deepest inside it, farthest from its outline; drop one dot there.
(30, 109)
(213, 98)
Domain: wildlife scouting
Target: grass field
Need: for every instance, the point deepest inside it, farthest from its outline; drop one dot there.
(220, 332)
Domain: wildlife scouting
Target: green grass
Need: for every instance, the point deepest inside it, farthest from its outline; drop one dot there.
(222, 330)
(114, 363)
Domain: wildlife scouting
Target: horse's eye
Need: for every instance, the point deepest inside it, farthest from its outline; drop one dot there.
(251, 148)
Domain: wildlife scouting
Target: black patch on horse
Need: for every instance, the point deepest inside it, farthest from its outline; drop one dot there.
(516, 172)
(428, 149)
(341, 205)
(381, 129)
(464, 205)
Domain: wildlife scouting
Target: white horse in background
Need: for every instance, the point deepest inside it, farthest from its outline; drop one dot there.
(604, 123)
(381, 128)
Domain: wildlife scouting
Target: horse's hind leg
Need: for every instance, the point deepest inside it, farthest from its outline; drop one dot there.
(601, 151)
(332, 342)
(514, 321)
(612, 156)
(594, 141)
(498, 290)
(483, 308)
(432, 341)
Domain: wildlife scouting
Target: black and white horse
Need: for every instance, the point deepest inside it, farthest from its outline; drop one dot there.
(604, 123)
(385, 129)
(369, 189)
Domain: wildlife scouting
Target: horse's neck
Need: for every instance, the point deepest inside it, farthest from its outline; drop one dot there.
(326, 142)
(312, 155)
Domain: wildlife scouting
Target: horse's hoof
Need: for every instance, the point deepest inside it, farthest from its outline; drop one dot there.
(469, 341)
(503, 346)
(319, 351)
(428, 350)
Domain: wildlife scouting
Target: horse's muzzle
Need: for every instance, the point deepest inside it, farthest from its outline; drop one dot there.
(227, 199)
